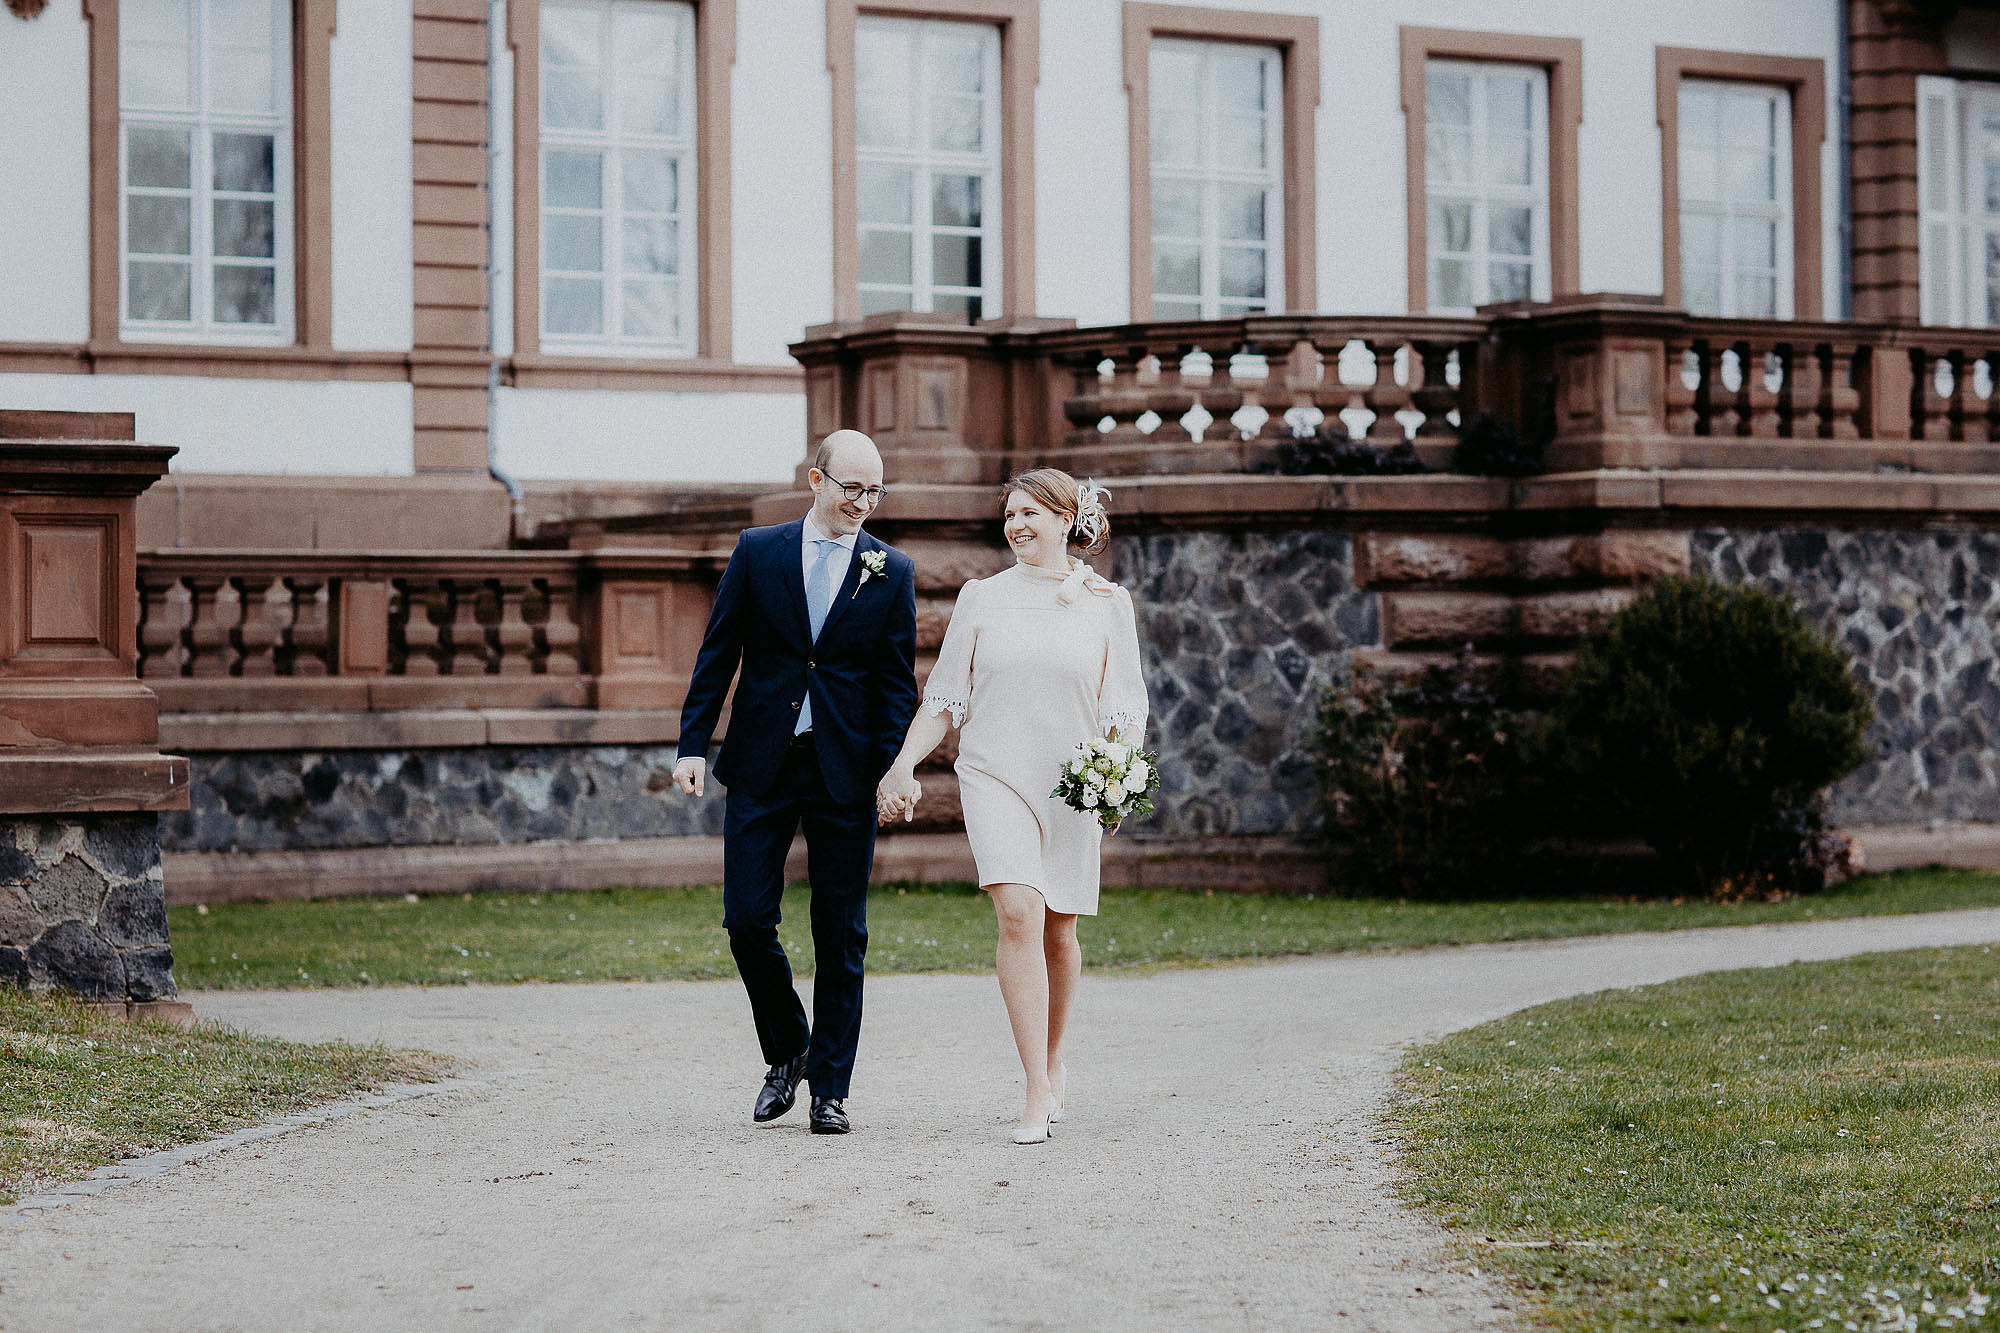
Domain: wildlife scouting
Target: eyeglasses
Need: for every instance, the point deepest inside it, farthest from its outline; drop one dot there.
(855, 491)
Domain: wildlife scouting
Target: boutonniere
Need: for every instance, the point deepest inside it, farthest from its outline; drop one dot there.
(872, 565)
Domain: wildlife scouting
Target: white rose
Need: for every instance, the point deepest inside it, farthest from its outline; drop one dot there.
(1137, 775)
(1077, 767)
(1119, 753)
(1089, 798)
(1093, 780)
(1114, 793)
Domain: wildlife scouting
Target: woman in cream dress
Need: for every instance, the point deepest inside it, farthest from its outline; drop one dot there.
(1036, 659)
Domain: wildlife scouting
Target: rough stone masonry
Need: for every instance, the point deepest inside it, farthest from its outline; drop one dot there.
(82, 907)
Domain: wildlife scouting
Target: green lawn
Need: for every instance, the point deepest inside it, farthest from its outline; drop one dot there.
(676, 934)
(1813, 1146)
(79, 1090)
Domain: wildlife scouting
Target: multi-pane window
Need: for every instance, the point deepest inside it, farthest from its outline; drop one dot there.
(1486, 181)
(1958, 132)
(618, 176)
(1736, 200)
(205, 169)
(927, 166)
(1216, 158)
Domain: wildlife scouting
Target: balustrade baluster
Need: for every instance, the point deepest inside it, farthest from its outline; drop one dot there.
(1385, 398)
(1800, 405)
(1683, 414)
(1932, 407)
(1841, 395)
(217, 608)
(1992, 403)
(162, 611)
(561, 638)
(515, 636)
(308, 644)
(1125, 402)
(466, 652)
(1084, 408)
(1171, 399)
(1434, 396)
(264, 607)
(422, 610)
(1282, 388)
(1968, 410)
(1222, 397)
(1760, 401)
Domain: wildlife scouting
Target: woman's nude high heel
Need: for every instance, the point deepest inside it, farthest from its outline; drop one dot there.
(1034, 1134)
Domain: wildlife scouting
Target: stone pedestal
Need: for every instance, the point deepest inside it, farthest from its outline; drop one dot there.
(82, 904)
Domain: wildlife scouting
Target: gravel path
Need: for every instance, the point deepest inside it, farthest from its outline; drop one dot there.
(595, 1166)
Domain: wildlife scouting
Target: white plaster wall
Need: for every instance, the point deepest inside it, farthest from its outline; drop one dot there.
(781, 146)
(45, 177)
(629, 435)
(371, 109)
(317, 428)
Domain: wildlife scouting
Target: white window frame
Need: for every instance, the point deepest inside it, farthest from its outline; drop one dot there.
(1483, 195)
(202, 124)
(1209, 173)
(611, 143)
(1778, 211)
(1954, 223)
(923, 162)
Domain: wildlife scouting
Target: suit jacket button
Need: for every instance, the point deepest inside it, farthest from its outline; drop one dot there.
(795, 703)
(811, 665)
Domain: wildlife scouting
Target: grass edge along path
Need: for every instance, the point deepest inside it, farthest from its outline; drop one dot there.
(1800, 1148)
(651, 934)
(80, 1089)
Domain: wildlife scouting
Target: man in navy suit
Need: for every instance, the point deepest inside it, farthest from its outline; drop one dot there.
(821, 619)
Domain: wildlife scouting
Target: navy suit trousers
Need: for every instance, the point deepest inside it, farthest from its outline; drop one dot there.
(840, 848)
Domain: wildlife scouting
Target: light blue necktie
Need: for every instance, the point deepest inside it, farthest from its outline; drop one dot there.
(819, 599)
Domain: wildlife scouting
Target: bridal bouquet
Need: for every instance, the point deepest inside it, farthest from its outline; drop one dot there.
(1108, 780)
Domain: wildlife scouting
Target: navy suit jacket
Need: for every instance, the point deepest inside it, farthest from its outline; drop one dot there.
(862, 671)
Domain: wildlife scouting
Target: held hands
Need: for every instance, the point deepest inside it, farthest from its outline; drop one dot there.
(897, 794)
(689, 774)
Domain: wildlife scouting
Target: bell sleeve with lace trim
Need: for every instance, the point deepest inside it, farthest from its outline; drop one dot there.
(1121, 695)
(948, 689)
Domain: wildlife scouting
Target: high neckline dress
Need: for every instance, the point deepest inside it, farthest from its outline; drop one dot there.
(1034, 661)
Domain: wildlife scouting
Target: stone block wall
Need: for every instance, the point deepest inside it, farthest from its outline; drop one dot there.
(1920, 614)
(82, 907)
(1240, 631)
(293, 800)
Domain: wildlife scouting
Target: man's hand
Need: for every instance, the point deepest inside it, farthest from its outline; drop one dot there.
(689, 774)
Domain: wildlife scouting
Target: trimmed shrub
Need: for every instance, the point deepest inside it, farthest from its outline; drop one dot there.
(1421, 780)
(1489, 446)
(1331, 451)
(1709, 719)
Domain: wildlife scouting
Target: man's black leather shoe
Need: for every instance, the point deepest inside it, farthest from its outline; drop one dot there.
(829, 1116)
(780, 1090)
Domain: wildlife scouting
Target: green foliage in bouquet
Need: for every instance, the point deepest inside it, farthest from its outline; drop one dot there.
(1709, 718)
(1423, 781)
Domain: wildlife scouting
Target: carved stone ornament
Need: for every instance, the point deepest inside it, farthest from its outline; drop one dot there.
(27, 9)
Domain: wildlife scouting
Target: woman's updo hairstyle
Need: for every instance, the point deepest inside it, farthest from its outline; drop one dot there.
(1082, 503)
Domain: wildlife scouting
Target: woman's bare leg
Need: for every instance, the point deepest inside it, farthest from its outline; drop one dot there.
(1024, 987)
(1063, 958)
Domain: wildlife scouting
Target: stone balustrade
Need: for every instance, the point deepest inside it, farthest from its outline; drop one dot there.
(1611, 381)
(232, 631)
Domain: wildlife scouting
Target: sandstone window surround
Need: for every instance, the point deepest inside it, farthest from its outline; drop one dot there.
(927, 163)
(1013, 211)
(1560, 59)
(714, 53)
(1217, 131)
(303, 251)
(1805, 81)
(1958, 185)
(1296, 39)
(1486, 183)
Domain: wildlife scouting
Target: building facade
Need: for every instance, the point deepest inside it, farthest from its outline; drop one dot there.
(313, 239)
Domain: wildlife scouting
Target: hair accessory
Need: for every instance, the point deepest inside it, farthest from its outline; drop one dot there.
(1090, 498)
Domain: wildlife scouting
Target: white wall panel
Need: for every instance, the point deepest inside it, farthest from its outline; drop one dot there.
(317, 428)
(628, 435)
(372, 264)
(45, 177)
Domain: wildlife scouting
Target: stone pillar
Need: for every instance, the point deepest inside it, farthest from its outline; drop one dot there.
(82, 900)
(1598, 361)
